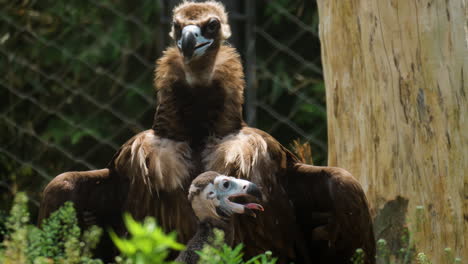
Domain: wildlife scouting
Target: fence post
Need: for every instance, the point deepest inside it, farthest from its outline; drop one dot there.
(250, 60)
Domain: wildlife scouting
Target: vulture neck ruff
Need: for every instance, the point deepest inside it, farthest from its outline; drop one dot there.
(199, 71)
(209, 103)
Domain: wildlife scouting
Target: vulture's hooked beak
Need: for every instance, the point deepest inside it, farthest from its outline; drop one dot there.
(192, 43)
(244, 200)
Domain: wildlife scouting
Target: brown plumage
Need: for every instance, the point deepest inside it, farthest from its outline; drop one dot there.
(312, 214)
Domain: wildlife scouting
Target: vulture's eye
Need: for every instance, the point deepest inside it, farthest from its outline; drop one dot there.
(212, 26)
(226, 184)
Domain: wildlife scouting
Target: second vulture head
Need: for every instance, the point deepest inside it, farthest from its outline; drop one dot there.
(217, 197)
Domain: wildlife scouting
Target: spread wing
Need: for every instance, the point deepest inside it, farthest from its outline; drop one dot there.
(148, 176)
(97, 196)
(94, 194)
(332, 212)
(312, 214)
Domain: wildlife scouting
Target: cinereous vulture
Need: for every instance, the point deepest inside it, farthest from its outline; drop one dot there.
(312, 214)
(215, 198)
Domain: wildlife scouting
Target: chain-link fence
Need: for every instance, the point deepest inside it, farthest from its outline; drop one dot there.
(76, 79)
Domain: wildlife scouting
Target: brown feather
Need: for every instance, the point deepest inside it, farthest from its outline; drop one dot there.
(191, 114)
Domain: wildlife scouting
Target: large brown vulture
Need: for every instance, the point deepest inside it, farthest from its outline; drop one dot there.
(312, 214)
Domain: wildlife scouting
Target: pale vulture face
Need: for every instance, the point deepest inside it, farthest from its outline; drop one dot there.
(219, 197)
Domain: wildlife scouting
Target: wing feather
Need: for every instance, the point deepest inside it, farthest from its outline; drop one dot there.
(330, 204)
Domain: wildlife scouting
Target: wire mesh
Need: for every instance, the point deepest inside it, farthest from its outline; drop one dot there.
(76, 79)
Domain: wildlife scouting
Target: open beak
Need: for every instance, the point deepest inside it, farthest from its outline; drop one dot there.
(192, 43)
(254, 191)
(250, 207)
(245, 201)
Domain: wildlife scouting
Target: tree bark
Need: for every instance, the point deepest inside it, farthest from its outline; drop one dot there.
(395, 74)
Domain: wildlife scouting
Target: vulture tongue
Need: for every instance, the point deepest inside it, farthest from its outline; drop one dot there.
(254, 206)
(248, 202)
(250, 207)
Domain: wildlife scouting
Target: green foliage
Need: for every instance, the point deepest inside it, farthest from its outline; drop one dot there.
(383, 253)
(421, 258)
(359, 256)
(16, 242)
(59, 230)
(3, 220)
(216, 251)
(73, 74)
(148, 242)
(385, 257)
(407, 253)
(290, 87)
(59, 240)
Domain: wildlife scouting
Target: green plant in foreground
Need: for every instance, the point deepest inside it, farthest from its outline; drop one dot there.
(59, 241)
(359, 256)
(148, 243)
(216, 251)
(15, 243)
(403, 257)
(383, 253)
(421, 258)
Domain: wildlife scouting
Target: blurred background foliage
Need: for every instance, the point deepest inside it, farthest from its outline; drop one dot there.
(76, 80)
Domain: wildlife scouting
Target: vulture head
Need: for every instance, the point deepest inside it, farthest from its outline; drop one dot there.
(217, 197)
(198, 29)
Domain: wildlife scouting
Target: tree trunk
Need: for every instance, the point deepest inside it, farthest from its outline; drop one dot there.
(395, 76)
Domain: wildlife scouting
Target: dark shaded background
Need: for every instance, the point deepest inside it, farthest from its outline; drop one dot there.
(76, 80)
